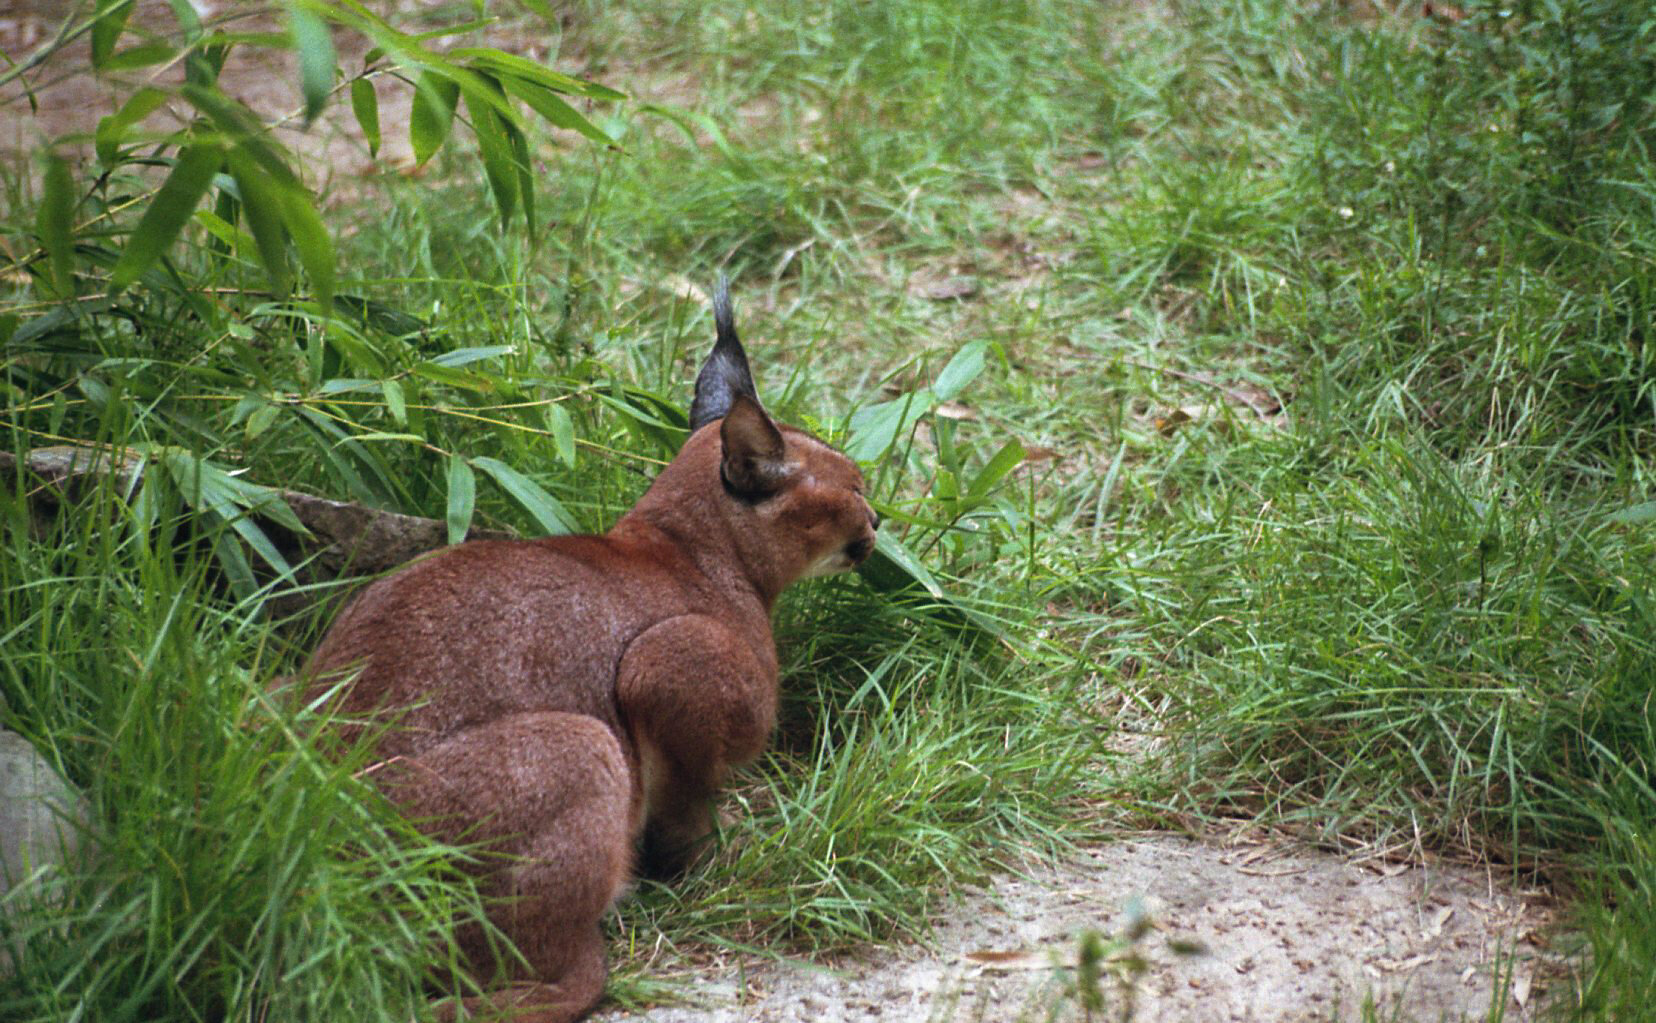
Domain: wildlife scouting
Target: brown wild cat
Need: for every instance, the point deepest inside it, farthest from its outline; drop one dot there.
(568, 697)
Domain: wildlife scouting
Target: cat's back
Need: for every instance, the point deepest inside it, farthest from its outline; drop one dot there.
(489, 628)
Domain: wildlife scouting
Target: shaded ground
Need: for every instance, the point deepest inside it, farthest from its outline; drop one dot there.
(1289, 935)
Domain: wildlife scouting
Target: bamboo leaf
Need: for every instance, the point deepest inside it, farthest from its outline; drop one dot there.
(462, 498)
(496, 150)
(221, 220)
(523, 67)
(210, 490)
(876, 428)
(112, 129)
(465, 379)
(167, 213)
(361, 489)
(626, 403)
(311, 240)
(547, 512)
(562, 429)
(445, 31)
(243, 129)
(262, 40)
(365, 104)
(141, 56)
(1003, 462)
(234, 562)
(962, 369)
(379, 316)
(525, 177)
(55, 222)
(557, 112)
(204, 64)
(433, 114)
(892, 566)
(257, 539)
(394, 402)
(268, 503)
(262, 205)
(224, 490)
(466, 356)
(647, 416)
(346, 385)
(261, 419)
(111, 21)
(893, 513)
(317, 58)
(357, 352)
(227, 234)
(56, 324)
(189, 20)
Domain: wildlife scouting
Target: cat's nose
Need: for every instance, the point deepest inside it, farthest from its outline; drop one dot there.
(873, 518)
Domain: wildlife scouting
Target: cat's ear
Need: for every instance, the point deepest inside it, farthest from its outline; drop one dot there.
(754, 464)
(725, 374)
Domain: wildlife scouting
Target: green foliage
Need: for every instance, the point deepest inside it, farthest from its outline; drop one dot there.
(1510, 190)
(227, 132)
(1414, 635)
(229, 869)
(1414, 608)
(1619, 913)
(272, 365)
(904, 766)
(1299, 407)
(461, 372)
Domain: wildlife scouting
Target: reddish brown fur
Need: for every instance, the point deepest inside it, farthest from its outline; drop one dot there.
(562, 698)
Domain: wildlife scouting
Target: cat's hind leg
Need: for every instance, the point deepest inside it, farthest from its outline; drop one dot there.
(549, 798)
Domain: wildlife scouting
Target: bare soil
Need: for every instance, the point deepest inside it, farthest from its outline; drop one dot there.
(1286, 933)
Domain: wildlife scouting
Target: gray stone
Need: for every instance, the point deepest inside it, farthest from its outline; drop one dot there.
(39, 812)
(339, 539)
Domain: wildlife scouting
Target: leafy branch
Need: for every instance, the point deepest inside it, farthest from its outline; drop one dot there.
(228, 147)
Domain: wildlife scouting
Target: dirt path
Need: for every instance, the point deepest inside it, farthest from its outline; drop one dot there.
(1289, 935)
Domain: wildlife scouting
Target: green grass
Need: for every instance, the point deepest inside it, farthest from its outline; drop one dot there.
(905, 757)
(230, 870)
(1327, 332)
(1618, 907)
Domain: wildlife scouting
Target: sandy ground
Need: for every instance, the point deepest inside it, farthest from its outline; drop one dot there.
(1287, 935)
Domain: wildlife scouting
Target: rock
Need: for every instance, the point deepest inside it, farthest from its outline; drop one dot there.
(351, 539)
(340, 539)
(945, 289)
(40, 819)
(40, 813)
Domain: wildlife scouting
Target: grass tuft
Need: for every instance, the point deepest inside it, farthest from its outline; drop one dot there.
(228, 869)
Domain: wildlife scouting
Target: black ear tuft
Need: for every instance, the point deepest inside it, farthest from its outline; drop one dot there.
(755, 463)
(725, 374)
